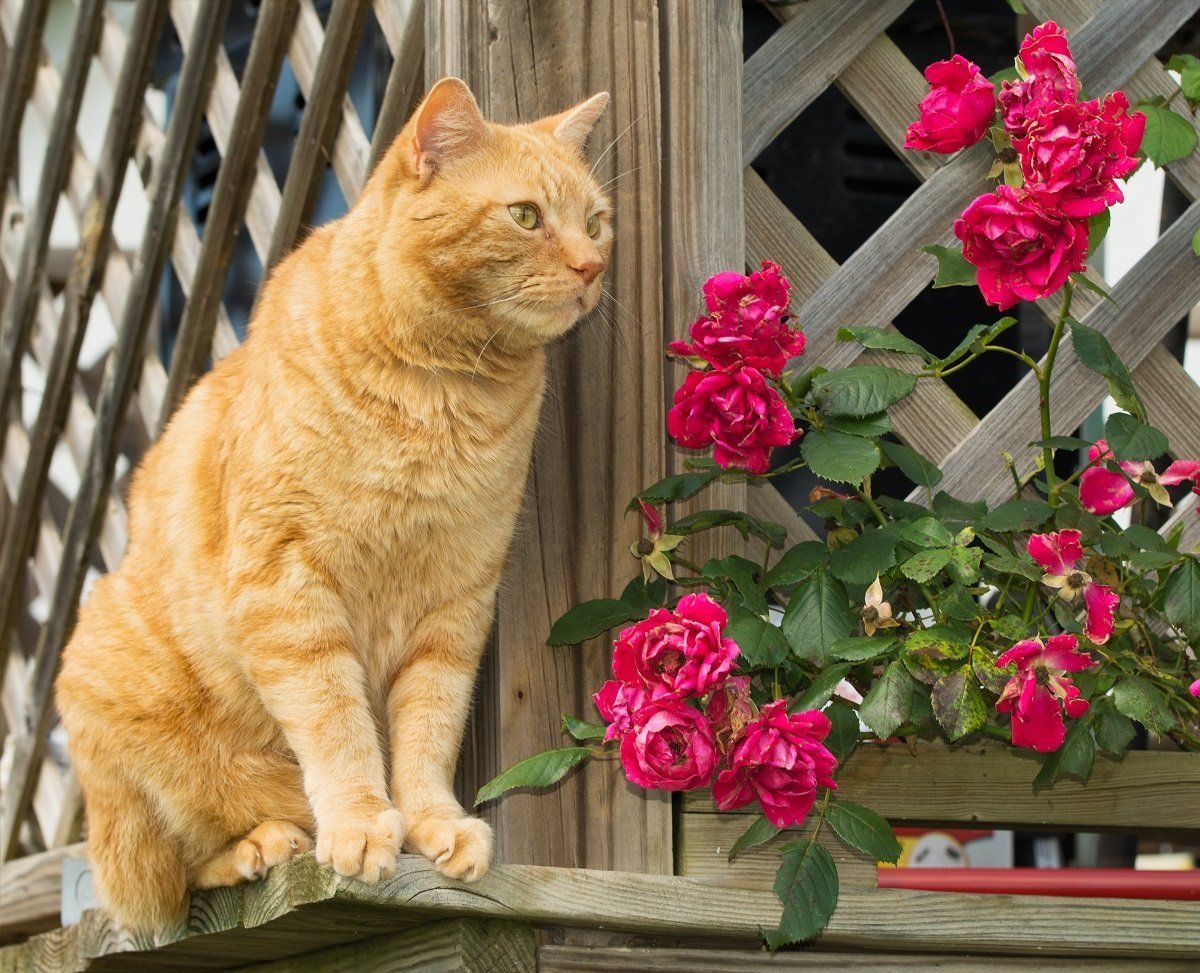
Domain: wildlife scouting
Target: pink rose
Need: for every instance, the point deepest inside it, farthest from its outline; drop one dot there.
(1052, 79)
(1059, 554)
(729, 710)
(1194, 689)
(780, 759)
(669, 747)
(682, 650)
(617, 702)
(746, 324)
(958, 109)
(1022, 251)
(1103, 491)
(1041, 690)
(736, 412)
(1074, 153)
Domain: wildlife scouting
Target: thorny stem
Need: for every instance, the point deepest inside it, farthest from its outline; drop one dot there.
(1052, 486)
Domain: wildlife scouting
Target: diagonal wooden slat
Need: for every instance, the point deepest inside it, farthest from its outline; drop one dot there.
(272, 34)
(405, 81)
(19, 75)
(83, 521)
(22, 299)
(86, 275)
(800, 60)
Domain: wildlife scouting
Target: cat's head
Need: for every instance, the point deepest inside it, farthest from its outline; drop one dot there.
(508, 220)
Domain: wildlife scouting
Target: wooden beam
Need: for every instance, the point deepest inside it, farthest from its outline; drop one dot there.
(20, 70)
(31, 893)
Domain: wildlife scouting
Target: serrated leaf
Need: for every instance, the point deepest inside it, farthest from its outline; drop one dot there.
(1132, 440)
(1114, 730)
(1182, 598)
(860, 648)
(581, 729)
(934, 652)
(540, 770)
(591, 618)
(912, 464)
(645, 596)
(958, 703)
(821, 689)
(679, 486)
(861, 390)
(864, 830)
(885, 339)
(926, 532)
(984, 666)
(959, 604)
(796, 564)
(746, 524)
(865, 557)
(839, 457)
(762, 643)
(889, 703)
(843, 731)
(879, 424)
(922, 566)
(1011, 628)
(1093, 350)
(964, 564)
(817, 615)
(1074, 758)
(953, 269)
(1098, 230)
(807, 885)
(962, 511)
(1141, 700)
(1011, 564)
(1017, 515)
(739, 572)
(1168, 137)
(759, 833)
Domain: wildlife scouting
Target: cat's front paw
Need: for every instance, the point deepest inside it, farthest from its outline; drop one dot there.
(459, 846)
(363, 847)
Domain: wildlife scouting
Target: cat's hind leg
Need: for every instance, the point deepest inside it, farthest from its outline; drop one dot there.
(271, 843)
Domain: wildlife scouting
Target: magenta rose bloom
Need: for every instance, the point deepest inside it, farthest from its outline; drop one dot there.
(1103, 491)
(1052, 79)
(958, 109)
(669, 747)
(1022, 251)
(779, 759)
(1074, 153)
(1194, 688)
(618, 701)
(682, 650)
(736, 412)
(729, 710)
(1041, 690)
(1060, 553)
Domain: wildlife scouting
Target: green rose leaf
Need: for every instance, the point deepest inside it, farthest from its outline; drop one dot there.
(862, 647)
(912, 464)
(1169, 137)
(1188, 66)
(643, 597)
(1011, 564)
(1114, 730)
(1017, 515)
(1196, 243)
(582, 730)
(817, 615)
(958, 703)
(976, 337)
(838, 456)
(843, 730)
(879, 424)
(1074, 758)
(796, 564)
(959, 603)
(679, 486)
(958, 511)
(1182, 598)
(759, 833)
(746, 524)
(1141, 700)
(953, 269)
(889, 704)
(964, 564)
(540, 770)
(807, 885)
(821, 689)
(934, 652)
(1132, 440)
(739, 572)
(886, 339)
(926, 532)
(984, 666)
(591, 618)
(861, 390)
(762, 644)
(1094, 351)
(921, 567)
(864, 830)
(1098, 230)
(865, 557)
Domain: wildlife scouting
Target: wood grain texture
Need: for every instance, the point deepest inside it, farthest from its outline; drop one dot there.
(300, 907)
(663, 959)
(454, 946)
(31, 893)
(20, 70)
(406, 80)
(801, 59)
(600, 439)
(1147, 792)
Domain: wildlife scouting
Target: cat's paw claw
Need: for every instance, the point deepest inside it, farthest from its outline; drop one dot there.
(362, 848)
(271, 843)
(460, 847)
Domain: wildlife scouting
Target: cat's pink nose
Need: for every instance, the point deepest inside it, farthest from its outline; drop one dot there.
(589, 270)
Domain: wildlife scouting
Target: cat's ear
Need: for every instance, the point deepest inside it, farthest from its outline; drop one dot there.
(447, 125)
(573, 126)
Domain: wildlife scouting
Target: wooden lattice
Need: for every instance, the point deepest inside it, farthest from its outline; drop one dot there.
(675, 70)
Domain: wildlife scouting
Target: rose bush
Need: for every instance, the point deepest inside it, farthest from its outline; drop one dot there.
(1037, 619)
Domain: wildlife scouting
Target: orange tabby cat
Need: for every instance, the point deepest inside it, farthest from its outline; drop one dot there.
(315, 542)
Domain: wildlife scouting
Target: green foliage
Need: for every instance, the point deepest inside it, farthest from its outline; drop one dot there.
(912, 464)
(864, 830)
(861, 390)
(807, 885)
(843, 730)
(839, 457)
(1132, 440)
(591, 618)
(746, 524)
(1098, 229)
(1188, 66)
(582, 730)
(889, 704)
(1169, 137)
(738, 575)
(762, 643)
(1139, 699)
(540, 770)
(953, 270)
(861, 648)
(680, 486)
(958, 703)
(1182, 598)
(759, 833)
(818, 614)
(975, 339)
(885, 339)
(1094, 351)
(869, 554)
(796, 564)
(1017, 515)
(1074, 758)
(821, 688)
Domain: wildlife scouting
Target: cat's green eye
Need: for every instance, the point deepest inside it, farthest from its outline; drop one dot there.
(593, 225)
(525, 214)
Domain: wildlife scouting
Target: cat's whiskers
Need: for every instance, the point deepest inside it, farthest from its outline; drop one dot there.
(619, 136)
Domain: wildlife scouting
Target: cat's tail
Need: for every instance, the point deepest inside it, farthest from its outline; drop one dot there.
(136, 867)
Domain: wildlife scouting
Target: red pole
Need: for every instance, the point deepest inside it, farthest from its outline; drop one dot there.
(1101, 883)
